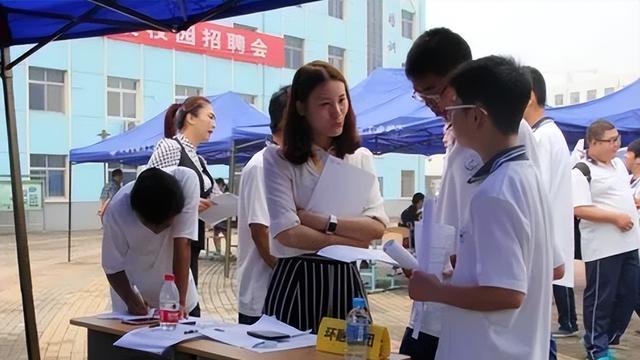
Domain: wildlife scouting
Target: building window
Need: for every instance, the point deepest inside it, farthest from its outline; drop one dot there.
(52, 171)
(374, 35)
(245, 27)
(129, 172)
(336, 8)
(381, 185)
(121, 97)
(559, 99)
(250, 99)
(574, 97)
(293, 52)
(407, 24)
(46, 89)
(183, 92)
(407, 183)
(591, 94)
(432, 185)
(336, 57)
(609, 90)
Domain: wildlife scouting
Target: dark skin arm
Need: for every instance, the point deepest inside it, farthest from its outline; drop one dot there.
(120, 283)
(181, 263)
(260, 236)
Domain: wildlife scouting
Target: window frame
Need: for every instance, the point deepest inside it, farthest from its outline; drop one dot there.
(121, 91)
(332, 58)
(46, 84)
(402, 183)
(407, 22)
(335, 9)
(180, 98)
(289, 49)
(45, 180)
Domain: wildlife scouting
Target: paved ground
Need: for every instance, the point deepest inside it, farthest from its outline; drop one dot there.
(65, 290)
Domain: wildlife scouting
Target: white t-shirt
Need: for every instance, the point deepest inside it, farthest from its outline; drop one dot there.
(289, 187)
(635, 186)
(609, 190)
(453, 201)
(143, 255)
(253, 273)
(555, 173)
(504, 243)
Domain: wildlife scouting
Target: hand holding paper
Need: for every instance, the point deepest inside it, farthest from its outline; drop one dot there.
(226, 206)
(400, 255)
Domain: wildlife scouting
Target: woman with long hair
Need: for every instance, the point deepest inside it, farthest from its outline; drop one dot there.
(187, 125)
(319, 122)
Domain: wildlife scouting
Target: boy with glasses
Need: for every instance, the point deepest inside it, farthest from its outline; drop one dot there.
(499, 296)
(609, 240)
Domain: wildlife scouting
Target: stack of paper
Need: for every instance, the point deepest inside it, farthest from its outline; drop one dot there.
(236, 335)
(156, 340)
(226, 206)
(350, 254)
(115, 315)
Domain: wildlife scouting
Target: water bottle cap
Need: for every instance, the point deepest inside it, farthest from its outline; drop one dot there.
(169, 277)
(358, 303)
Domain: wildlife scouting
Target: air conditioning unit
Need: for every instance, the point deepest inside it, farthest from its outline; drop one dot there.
(128, 125)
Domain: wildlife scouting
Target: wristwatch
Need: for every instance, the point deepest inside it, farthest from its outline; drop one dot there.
(331, 225)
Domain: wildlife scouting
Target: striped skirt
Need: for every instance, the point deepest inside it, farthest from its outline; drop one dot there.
(306, 288)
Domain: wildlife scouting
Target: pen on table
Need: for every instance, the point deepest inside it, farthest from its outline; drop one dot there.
(191, 331)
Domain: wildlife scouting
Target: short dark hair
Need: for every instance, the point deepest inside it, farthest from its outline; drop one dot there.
(498, 85)
(219, 180)
(437, 51)
(417, 197)
(634, 147)
(596, 130)
(277, 106)
(156, 196)
(297, 133)
(538, 85)
(116, 172)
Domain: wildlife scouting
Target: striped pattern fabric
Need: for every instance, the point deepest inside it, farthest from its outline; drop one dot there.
(306, 288)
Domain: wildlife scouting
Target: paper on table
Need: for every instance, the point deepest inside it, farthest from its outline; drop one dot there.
(226, 207)
(115, 315)
(156, 340)
(236, 335)
(342, 189)
(350, 254)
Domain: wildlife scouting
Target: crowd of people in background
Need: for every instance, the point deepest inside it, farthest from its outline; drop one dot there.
(523, 208)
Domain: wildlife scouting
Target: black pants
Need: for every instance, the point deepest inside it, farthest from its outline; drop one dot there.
(609, 300)
(566, 304)
(247, 319)
(422, 348)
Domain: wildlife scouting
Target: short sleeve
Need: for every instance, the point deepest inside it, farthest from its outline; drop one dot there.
(186, 223)
(165, 154)
(580, 189)
(114, 243)
(278, 179)
(252, 195)
(375, 206)
(502, 235)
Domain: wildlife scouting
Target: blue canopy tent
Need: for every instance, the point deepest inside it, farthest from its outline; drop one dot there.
(622, 108)
(135, 146)
(40, 22)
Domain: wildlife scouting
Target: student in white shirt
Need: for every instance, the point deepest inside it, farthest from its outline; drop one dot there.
(632, 162)
(148, 228)
(555, 172)
(319, 122)
(500, 292)
(609, 239)
(431, 59)
(255, 262)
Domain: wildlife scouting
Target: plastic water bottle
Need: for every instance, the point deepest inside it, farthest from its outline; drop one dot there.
(169, 303)
(357, 331)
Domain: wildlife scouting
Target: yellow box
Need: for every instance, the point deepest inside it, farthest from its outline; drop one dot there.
(331, 339)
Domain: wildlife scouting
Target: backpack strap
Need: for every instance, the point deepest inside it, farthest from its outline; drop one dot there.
(584, 169)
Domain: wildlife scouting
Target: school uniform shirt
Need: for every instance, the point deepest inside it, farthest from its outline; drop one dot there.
(555, 173)
(253, 273)
(289, 187)
(504, 242)
(455, 193)
(610, 190)
(129, 246)
(635, 186)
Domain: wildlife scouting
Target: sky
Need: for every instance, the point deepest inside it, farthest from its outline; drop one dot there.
(581, 37)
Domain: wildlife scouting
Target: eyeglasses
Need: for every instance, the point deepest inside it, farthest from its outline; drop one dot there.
(422, 97)
(612, 141)
(449, 111)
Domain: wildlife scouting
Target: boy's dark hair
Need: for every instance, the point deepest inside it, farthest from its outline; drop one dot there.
(277, 105)
(538, 85)
(417, 197)
(116, 172)
(634, 147)
(596, 130)
(437, 51)
(156, 196)
(496, 84)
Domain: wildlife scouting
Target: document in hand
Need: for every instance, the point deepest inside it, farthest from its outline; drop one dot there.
(236, 335)
(226, 206)
(342, 190)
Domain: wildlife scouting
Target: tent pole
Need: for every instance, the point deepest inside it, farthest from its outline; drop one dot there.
(227, 245)
(22, 247)
(69, 229)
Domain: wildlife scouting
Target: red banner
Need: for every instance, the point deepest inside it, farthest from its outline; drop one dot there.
(215, 40)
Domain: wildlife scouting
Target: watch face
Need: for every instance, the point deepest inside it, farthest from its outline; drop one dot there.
(332, 227)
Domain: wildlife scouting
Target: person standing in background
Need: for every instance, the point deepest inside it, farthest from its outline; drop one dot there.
(109, 190)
